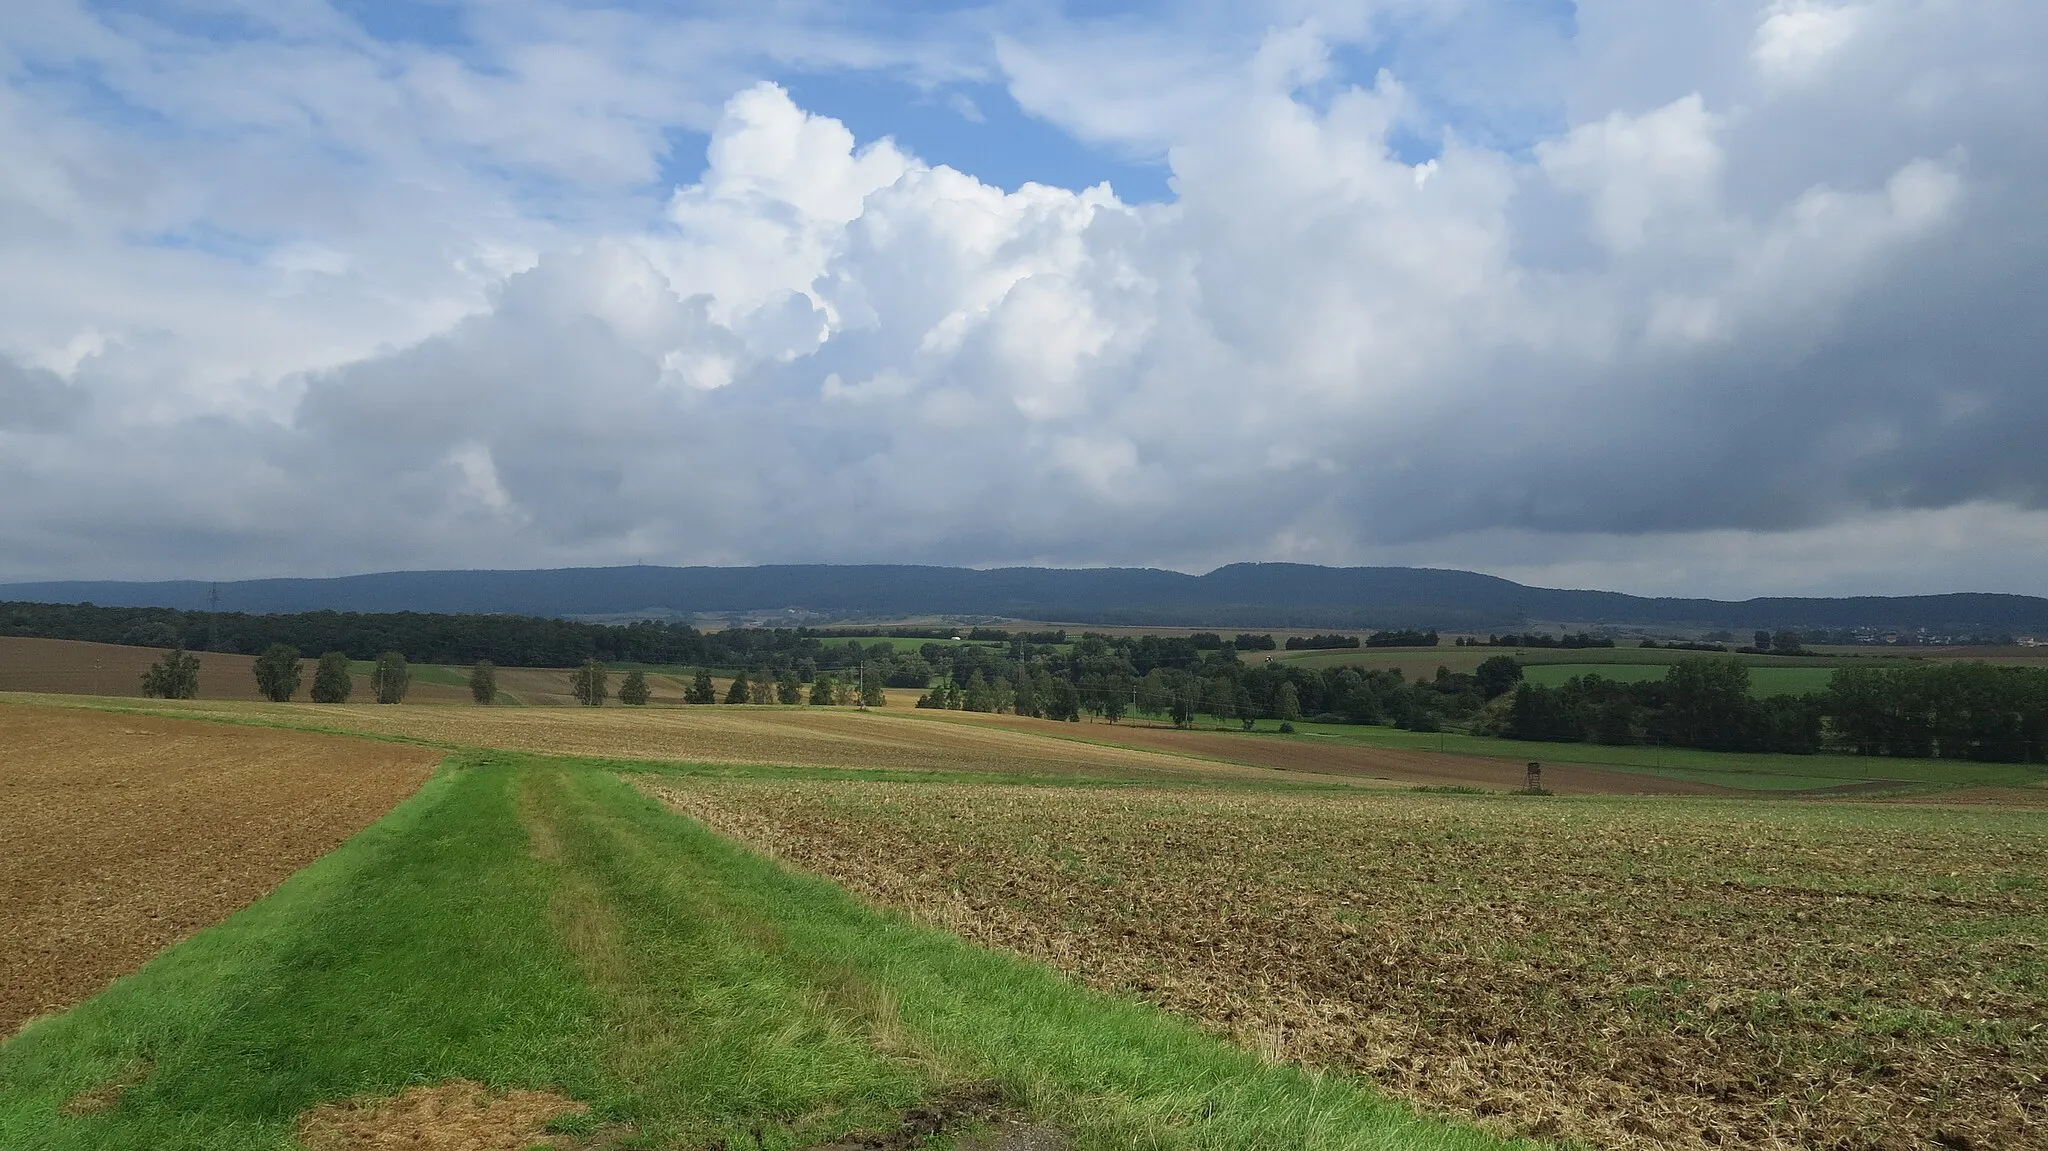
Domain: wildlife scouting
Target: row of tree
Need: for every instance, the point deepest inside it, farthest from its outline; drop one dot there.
(1703, 703)
(278, 675)
(1538, 639)
(459, 640)
(1953, 711)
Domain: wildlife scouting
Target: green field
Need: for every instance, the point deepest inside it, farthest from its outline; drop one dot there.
(418, 673)
(1763, 680)
(1747, 771)
(901, 644)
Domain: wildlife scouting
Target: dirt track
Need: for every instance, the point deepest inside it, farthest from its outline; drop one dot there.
(122, 834)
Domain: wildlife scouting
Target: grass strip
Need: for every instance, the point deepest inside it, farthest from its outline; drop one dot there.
(1115, 1073)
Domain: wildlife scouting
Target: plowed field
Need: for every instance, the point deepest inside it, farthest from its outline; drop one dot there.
(121, 834)
(1620, 972)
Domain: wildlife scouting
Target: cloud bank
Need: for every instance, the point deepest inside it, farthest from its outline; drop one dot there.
(1712, 299)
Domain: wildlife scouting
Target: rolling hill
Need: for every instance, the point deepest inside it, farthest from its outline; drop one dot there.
(1239, 595)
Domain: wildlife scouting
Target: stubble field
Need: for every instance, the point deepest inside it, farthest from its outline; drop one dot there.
(121, 834)
(784, 737)
(1627, 973)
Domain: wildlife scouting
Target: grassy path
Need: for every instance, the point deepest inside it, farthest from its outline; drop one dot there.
(538, 923)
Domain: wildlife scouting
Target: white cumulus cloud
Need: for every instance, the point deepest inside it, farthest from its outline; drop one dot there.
(1698, 305)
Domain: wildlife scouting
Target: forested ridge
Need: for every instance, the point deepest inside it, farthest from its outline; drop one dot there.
(1253, 595)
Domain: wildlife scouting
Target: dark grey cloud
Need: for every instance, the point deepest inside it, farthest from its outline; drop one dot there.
(36, 399)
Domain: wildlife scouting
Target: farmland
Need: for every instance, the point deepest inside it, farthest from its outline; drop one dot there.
(530, 953)
(1129, 935)
(1610, 971)
(838, 739)
(1763, 680)
(104, 669)
(122, 834)
(1617, 662)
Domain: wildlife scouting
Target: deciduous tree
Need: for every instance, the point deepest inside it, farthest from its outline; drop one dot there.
(483, 682)
(277, 672)
(633, 689)
(701, 690)
(391, 678)
(588, 682)
(331, 681)
(175, 676)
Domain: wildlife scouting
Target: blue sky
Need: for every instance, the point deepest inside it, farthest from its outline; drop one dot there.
(1594, 294)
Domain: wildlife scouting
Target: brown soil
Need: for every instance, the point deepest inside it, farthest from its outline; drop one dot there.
(2034, 798)
(1629, 974)
(973, 1113)
(73, 667)
(1422, 768)
(457, 1116)
(122, 834)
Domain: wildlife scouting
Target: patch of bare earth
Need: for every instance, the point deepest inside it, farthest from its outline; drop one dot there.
(973, 1115)
(122, 834)
(1622, 973)
(456, 1116)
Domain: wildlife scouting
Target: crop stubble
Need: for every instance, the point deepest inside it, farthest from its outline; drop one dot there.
(122, 834)
(795, 737)
(1627, 974)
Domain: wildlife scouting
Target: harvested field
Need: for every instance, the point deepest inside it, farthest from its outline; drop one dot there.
(122, 834)
(71, 667)
(792, 737)
(1388, 765)
(1613, 971)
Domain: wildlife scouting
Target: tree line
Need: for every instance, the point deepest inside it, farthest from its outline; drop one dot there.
(1970, 711)
(1538, 639)
(461, 640)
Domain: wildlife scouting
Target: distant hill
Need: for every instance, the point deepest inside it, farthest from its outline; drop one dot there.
(1240, 595)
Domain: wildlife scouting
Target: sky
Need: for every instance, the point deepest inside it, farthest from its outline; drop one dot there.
(1699, 297)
